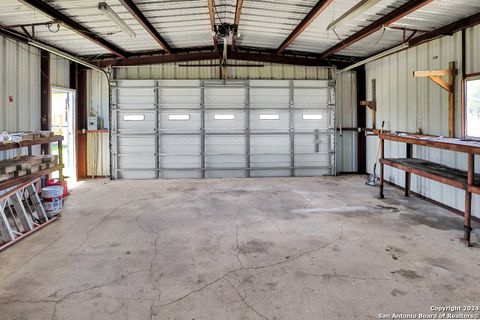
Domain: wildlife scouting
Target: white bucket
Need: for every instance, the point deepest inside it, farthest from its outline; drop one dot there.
(52, 199)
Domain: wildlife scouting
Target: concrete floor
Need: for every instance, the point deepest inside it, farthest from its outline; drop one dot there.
(283, 248)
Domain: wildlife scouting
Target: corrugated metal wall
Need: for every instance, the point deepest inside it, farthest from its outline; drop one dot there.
(97, 97)
(59, 71)
(192, 70)
(408, 104)
(20, 74)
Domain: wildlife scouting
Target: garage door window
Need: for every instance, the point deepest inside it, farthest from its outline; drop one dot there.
(224, 117)
(134, 117)
(179, 117)
(269, 117)
(312, 117)
(472, 108)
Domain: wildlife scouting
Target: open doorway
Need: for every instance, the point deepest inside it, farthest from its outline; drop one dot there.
(63, 123)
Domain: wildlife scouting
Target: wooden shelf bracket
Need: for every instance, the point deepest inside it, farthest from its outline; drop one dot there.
(448, 85)
(372, 104)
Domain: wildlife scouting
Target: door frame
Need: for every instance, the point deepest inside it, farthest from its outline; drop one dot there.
(74, 123)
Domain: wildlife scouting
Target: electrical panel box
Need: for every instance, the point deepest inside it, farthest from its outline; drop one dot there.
(92, 123)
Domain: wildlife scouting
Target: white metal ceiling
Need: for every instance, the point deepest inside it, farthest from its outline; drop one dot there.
(264, 23)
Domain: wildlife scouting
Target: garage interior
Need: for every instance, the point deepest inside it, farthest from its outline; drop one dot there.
(239, 159)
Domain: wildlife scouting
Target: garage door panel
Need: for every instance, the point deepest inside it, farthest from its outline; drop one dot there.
(269, 97)
(306, 143)
(224, 120)
(134, 94)
(311, 120)
(270, 173)
(137, 175)
(224, 97)
(220, 144)
(181, 174)
(225, 174)
(137, 161)
(136, 145)
(269, 119)
(181, 162)
(180, 120)
(270, 144)
(136, 121)
(185, 97)
(270, 161)
(180, 145)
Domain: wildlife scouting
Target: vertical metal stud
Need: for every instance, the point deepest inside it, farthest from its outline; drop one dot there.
(156, 93)
(202, 128)
(114, 132)
(332, 126)
(291, 128)
(247, 128)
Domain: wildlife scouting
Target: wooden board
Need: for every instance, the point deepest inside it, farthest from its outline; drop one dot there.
(26, 143)
(434, 171)
(18, 180)
(452, 144)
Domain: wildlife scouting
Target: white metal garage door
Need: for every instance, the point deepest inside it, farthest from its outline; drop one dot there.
(204, 129)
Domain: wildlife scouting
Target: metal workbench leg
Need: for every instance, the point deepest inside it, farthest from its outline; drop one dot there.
(408, 175)
(468, 200)
(382, 155)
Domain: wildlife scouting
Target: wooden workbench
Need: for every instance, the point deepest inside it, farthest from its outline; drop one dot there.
(465, 180)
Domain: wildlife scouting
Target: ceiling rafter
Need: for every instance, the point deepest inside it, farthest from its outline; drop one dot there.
(74, 26)
(446, 30)
(311, 16)
(236, 21)
(211, 13)
(140, 17)
(386, 20)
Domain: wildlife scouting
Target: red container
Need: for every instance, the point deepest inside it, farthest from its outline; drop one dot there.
(56, 182)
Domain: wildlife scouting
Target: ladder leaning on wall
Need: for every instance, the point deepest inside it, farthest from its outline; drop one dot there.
(21, 213)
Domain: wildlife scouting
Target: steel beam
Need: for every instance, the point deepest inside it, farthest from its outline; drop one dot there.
(74, 26)
(259, 56)
(386, 20)
(448, 29)
(140, 17)
(311, 16)
(211, 13)
(236, 21)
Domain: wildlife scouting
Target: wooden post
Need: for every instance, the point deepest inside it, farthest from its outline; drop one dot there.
(468, 199)
(408, 175)
(382, 156)
(372, 104)
(451, 99)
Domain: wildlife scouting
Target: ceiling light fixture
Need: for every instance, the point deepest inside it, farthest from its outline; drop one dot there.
(358, 9)
(106, 10)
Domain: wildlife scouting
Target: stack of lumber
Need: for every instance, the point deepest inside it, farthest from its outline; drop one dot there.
(25, 135)
(25, 165)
